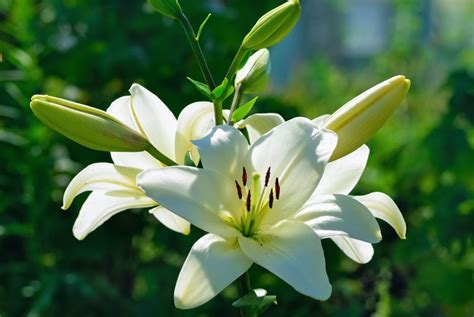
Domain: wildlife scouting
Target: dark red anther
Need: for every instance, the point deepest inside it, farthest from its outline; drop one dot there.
(267, 177)
(270, 201)
(239, 189)
(248, 202)
(277, 189)
(244, 176)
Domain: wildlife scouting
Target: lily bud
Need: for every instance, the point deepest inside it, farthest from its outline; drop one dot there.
(273, 26)
(254, 75)
(359, 119)
(170, 8)
(90, 127)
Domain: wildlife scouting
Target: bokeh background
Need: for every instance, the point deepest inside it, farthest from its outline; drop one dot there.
(92, 51)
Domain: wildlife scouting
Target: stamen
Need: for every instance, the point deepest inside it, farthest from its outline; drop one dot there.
(277, 188)
(267, 177)
(244, 176)
(239, 189)
(249, 200)
(270, 199)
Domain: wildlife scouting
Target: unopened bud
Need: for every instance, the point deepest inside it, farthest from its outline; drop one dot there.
(359, 119)
(90, 127)
(273, 26)
(253, 77)
(170, 8)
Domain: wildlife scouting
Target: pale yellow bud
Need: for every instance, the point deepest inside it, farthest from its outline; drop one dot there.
(254, 75)
(90, 127)
(359, 119)
(272, 27)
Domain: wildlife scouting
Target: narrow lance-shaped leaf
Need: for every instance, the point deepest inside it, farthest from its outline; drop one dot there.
(243, 110)
(201, 87)
(201, 27)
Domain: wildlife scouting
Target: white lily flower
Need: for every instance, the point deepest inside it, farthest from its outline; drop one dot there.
(339, 178)
(247, 198)
(114, 186)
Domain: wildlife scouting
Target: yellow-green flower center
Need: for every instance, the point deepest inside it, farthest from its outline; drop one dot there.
(256, 200)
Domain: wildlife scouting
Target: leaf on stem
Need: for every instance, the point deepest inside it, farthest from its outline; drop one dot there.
(222, 91)
(201, 87)
(201, 27)
(241, 112)
(257, 300)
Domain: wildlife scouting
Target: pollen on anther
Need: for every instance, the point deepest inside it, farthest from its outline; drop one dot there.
(270, 199)
(267, 177)
(277, 189)
(239, 189)
(248, 202)
(244, 176)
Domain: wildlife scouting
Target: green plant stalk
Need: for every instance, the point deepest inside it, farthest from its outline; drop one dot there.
(160, 156)
(201, 60)
(244, 289)
(235, 102)
(239, 56)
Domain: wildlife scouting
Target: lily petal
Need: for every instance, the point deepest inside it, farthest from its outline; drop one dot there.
(155, 120)
(342, 175)
(121, 109)
(101, 176)
(321, 120)
(223, 150)
(139, 160)
(194, 122)
(383, 207)
(359, 251)
(170, 220)
(212, 265)
(297, 154)
(340, 215)
(294, 253)
(260, 123)
(100, 206)
(203, 197)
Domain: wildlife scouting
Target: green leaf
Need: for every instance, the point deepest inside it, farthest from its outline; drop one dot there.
(222, 91)
(228, 92)
(243, 110)
(266, 302)
(201, 27)
(188, 161)
(201, 87)
(257, 300)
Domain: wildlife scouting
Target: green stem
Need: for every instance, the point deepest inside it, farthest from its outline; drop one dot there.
(192, 39)
(236, 63)
(218, 112)
(201, 60)
(235, 102)
(160, 156)
(245, 288)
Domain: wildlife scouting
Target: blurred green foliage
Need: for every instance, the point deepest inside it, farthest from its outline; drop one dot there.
(91, 51)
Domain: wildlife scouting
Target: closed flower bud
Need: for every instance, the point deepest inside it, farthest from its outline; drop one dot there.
(273, 26)
(170, 8)
(254, 75)
(359, 119)
(90, 127)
